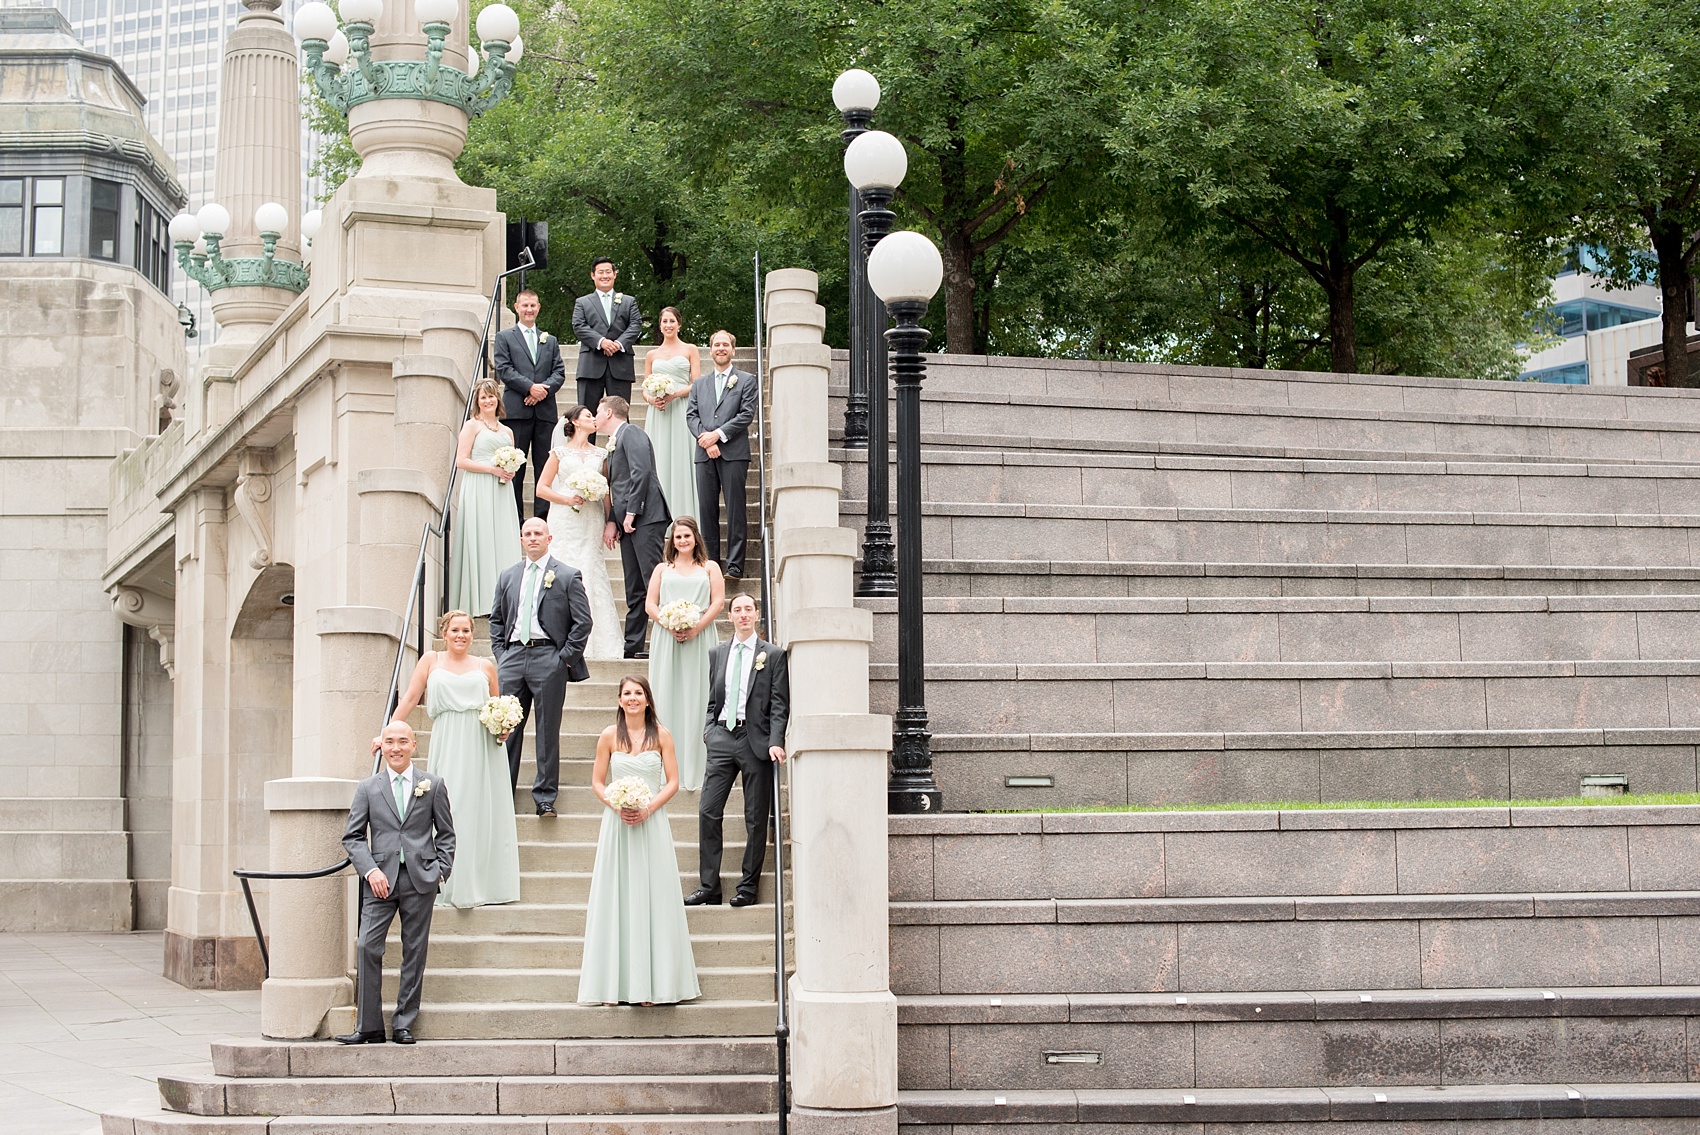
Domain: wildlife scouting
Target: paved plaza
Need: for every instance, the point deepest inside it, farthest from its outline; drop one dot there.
(87, 1023)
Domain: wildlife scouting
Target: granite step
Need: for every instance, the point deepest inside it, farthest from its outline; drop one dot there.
(487, 984)
(658, 1056)
(567, 919)
(538, 1020)
(141, 1122)
(752, 947)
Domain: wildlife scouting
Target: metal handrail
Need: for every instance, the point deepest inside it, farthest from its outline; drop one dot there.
(781, 1026)
(440, 526)
(253, 913)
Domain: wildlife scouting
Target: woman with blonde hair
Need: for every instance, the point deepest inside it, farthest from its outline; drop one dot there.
(464, 755)
(678, 660)
(486, 527)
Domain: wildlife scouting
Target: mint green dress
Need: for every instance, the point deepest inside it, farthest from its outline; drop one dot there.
(678, 673)
(475, 768)
(486, 530)
(675, 448)
(637, 945)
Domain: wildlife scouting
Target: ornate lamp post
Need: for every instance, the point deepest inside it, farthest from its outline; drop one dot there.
(905, 271)
(875, 164)
(196, 237)
(856, 93)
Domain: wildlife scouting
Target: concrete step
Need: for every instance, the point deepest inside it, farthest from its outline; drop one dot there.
(519, 951)
(1582, 1104)
(1116, 532)
(544, 1020)
(497, 1095)
(567, 919)
(653, 1056)
(1299, 1039)
(581, 855)
(521, 986)
(1000, 578)
(93, 855)
(984, 772)
(1300, 697)
(1299, 629)
(574, 886)
(1168, 481)
(139, 1122)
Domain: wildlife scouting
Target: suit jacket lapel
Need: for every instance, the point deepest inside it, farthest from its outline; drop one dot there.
(389, 797)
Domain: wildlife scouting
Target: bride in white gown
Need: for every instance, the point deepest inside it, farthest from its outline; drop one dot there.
(576, 537)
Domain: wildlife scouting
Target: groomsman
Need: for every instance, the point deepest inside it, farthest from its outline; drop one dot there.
(539, 623)
(528, 361)
(637, 512)
(719, 411)
(401, 836)
(606, 324)
(749, 701)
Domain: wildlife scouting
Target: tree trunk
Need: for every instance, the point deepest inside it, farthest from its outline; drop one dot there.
(958, 293)
(1670, 242)
(1342, 321)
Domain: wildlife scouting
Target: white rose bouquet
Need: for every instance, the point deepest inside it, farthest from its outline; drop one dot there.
(679, 615)
(587, 483)
(630, 792)
(501, 715)
(508, 459)
(658, 386)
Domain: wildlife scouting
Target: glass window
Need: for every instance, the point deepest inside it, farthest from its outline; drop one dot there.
(1570, 374)
(103, 220)
(1577, 317)
(12, 216)
(47, 222)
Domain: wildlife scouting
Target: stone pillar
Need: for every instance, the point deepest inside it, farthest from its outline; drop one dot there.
(308, 919)
(843, 1014)
(258, 159)
(411, 138)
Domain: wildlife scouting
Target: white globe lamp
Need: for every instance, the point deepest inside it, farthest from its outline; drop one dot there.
(314, 20)
(875, 160)
(271, 218)
(336, 50)
(362, 11)
(516, 49)
(214, 219)
(855, 90)
(436, 11)
(184, 229)
(311, 222)
(497, 22)
(905, 266)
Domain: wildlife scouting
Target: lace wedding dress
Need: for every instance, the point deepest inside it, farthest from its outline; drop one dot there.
(575, 538)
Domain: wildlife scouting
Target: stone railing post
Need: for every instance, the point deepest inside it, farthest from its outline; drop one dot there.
(843, 1014)
(308, 927)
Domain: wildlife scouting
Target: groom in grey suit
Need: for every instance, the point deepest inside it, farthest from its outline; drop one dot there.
(528, 363)
(606, 324)
(637, 512)
(539, 623)
(719, 411)
(401, 836)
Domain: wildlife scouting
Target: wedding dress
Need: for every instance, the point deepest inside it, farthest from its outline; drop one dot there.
(575, 538)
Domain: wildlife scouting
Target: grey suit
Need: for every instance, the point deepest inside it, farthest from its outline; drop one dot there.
(538, 674)
(633, 488)
(742, 752)
(600, 374)
(731, 414)
(416, 855)
(533, 426)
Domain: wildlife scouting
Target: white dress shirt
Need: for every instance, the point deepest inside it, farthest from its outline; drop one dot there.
(542, 569)
(749, 645)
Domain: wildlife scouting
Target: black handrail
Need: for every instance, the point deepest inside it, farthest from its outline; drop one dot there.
(440, 526)
(781, 1027)
(254, 914)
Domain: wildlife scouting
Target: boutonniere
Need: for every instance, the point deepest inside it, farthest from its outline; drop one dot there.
(618, 298)
(731, 382)
(761, 659)
(422, 788)
(548, 580)
(542, 338)
(610, 445)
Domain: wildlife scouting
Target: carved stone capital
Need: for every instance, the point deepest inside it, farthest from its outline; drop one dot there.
(253, 497)
(153, 613)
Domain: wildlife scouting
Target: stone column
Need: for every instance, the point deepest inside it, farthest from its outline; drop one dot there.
(843, 1014)
(308, 918)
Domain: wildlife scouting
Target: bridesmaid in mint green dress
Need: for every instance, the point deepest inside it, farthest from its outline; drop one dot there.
(486, 526)
(472, 762)
(675, 448)
(678, 660)
(637, 944)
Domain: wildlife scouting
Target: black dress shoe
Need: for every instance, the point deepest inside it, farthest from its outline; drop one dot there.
(403, 1036)
(362, 1038)
(743, 898)
(734, 573)
(546, 811)
(702, 896)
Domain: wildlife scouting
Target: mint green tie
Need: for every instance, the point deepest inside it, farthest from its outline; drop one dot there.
(736, 698)
(527, 603)
(400, 783)
(531, 341)
(720, 378)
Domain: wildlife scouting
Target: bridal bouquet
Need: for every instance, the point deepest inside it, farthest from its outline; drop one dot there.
(629, 792)
(508, 459)
(501, 715)
(658, 386)
(587, 483)
(679, 615)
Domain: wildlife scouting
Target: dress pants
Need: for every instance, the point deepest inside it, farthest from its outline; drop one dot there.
(534, 674)
(715, 476)
(376, 914)
(729, 756)
(531, 437)
(592, 390)
(640, 551)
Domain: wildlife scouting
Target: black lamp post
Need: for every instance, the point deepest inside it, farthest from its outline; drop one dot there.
(856, 93)
(905, 271)
(875, 164)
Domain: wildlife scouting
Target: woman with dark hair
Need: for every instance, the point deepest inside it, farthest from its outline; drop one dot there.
(486, 528)
(575, 524)
(680, 364)
(637, 944)
(678, 659)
